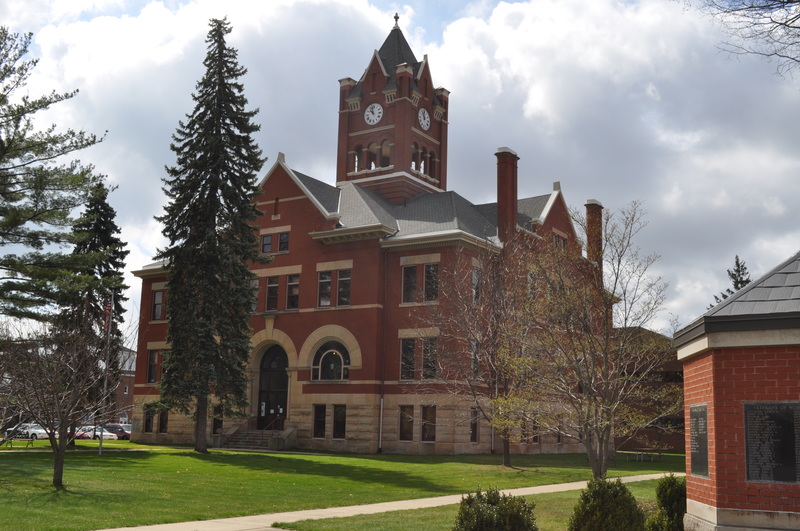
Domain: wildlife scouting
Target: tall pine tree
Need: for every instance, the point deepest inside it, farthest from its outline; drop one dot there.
(211, 240)
(97, 237)
(38, 192)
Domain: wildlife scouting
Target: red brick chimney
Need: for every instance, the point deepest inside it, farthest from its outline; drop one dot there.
(594, 232)
(506, 193)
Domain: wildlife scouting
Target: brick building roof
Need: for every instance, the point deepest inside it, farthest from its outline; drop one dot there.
(772, 302)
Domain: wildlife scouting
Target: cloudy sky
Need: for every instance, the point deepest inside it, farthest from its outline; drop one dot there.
(617, 100)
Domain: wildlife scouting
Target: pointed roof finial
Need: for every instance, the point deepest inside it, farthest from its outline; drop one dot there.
(396, 18)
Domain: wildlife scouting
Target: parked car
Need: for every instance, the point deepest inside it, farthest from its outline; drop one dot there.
(27, 431)
(95, 432)
(119, 430)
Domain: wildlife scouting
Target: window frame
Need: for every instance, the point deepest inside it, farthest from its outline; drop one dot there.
(330, 348)
(163, 422)
(428, 431)
(152, 373)
(343, 285)
(324, 289)
(157, 307)
(266, 243)
(430, 277)
(339, 421)
(405, 429)
(293, 291)
(273, 293)
(319, 412)
(283, 242)
(408, 365)
(474, 427)
(409, 284)
(430, 346)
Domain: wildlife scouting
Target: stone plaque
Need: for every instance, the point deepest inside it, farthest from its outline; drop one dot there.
(698, 439)
(772, 438)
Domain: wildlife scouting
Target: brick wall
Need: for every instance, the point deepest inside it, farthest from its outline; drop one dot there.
(725, 380)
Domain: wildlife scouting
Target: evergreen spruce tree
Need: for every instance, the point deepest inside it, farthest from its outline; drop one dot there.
(100, 301)
(211, 240)
(739, 277)
(38, 192)
(97, 238)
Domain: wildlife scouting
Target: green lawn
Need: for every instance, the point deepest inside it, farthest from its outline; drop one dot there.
(136, 485)
(552, 514)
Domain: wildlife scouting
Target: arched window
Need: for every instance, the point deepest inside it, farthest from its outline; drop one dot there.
(372, 156)
(357, 158)
(331, 362)
(415, 154)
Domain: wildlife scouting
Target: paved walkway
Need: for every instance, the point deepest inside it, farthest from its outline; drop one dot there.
(265, 521)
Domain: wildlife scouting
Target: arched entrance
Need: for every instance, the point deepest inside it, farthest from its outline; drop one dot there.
(273, 389)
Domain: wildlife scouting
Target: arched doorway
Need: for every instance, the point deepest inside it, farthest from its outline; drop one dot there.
(273, 389)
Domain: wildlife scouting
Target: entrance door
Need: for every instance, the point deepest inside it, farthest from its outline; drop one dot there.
(273, 389)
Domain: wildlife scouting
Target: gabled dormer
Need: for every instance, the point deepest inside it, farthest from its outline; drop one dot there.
(393, 125)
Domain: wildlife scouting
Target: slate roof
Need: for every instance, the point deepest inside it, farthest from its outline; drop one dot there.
(772, 302)
(394, 51)
(438, 212)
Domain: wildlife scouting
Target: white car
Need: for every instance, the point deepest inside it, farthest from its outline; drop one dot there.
(94, 432)
(28, 431)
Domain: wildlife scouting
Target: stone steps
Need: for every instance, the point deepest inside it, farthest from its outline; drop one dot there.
(251, 440)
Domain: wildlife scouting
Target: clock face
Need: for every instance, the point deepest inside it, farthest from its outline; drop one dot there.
(424, 119)
(373, 114)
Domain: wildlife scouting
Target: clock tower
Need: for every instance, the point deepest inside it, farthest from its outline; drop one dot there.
(393, 125)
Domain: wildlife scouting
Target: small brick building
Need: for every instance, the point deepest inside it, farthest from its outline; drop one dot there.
(741, 365)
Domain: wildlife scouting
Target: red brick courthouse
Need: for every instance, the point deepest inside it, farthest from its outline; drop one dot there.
(741, 365)
(337, 361)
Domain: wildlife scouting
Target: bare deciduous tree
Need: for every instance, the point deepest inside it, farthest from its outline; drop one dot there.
(56, 375)
(770, 28)
(591, 366)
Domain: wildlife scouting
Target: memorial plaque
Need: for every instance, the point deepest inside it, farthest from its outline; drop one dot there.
(698, 439)
(772, 437)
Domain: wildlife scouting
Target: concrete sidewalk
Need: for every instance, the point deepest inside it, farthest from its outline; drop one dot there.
(265, 521)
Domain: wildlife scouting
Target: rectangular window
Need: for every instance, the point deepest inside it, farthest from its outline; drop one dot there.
(266, 243)
(431, 282)
(158, 306)
(407, 359)
(254, 286)
(339, 421)
(429, 362)
(293, 292)
(343, 288)
(163, 421)
(272, 293)
(152, 366)
(324, 289)
(428, 423)
(406, 432)
(473, 425)
(410, 283)
(149, 417)
(283, 242)
(319, 421)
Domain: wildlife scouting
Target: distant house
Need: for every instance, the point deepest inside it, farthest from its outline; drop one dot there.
(741, 364)
(337, 359)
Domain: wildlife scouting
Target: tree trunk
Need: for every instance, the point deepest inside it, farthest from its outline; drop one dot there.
(59, 451)
(200, 423)
(506, 452)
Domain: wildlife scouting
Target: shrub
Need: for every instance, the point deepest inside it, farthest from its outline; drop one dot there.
(494, 511)
(606, 506)
(671, 496)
